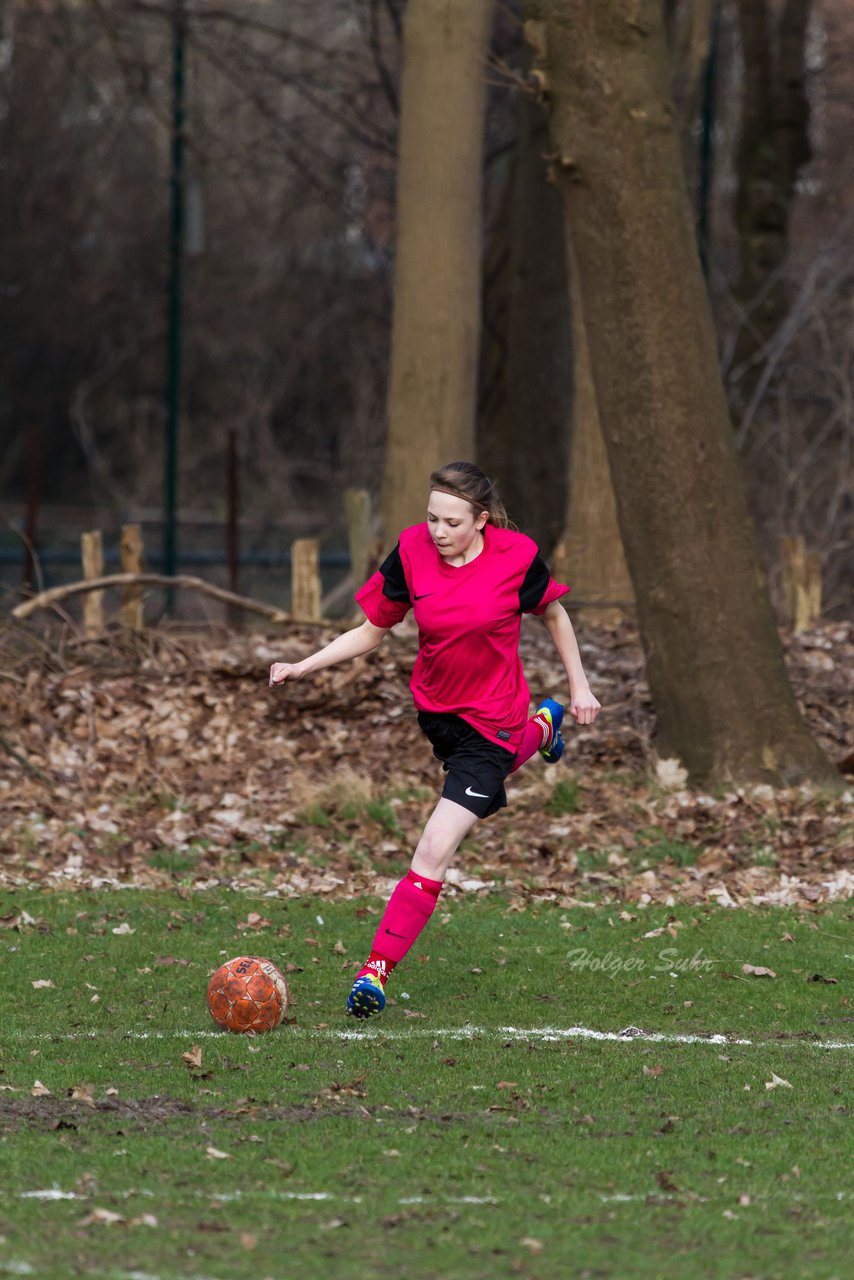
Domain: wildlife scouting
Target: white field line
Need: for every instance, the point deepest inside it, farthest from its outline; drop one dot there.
(19, 1267)
(48, 1194)
(627, 1035)
(263, 1193)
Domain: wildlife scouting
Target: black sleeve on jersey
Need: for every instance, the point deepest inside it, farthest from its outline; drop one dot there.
(534, 586)
(394, 579)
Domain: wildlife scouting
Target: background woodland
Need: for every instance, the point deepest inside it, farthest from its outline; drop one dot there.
(291, 166)
(289, 250)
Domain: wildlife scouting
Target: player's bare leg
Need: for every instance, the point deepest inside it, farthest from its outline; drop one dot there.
(411, 904)
(446, 827)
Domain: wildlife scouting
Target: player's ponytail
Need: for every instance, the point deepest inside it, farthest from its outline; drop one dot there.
(467, 481)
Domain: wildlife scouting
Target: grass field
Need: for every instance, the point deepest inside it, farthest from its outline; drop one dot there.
(478, 1130)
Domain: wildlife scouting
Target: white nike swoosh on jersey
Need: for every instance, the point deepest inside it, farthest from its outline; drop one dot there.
(480, 794)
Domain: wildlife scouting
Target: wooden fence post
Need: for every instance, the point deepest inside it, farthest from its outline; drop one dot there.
(34, 485)
(92, 555)
(130, 549)
(357, 509)
(801, 573)
(305, 580)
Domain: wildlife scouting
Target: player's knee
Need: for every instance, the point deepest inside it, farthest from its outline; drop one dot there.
(433, 854)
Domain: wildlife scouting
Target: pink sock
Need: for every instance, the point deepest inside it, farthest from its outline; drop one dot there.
(536, 735)
(409, 908)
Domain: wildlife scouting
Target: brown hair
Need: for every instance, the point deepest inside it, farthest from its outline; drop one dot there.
(467, 481)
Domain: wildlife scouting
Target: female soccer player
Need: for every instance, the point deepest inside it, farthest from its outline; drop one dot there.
(468, 578)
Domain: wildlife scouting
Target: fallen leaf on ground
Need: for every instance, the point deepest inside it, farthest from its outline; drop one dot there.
(353, 1089)
(193, 1057)
(40, 1091)
(123, 929)
(101, 1217)
(777, 1082)
(19, 922)
(758, 971)
(254, 921)
(213, 1153)
(43, 982)
(671, 774)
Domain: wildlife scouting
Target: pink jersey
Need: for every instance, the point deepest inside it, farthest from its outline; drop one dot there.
(469, 618)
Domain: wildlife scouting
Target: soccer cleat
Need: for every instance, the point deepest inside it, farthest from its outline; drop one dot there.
(553, 712)
(367, 998)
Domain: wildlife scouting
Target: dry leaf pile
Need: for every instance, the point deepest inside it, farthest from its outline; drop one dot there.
(133, 762)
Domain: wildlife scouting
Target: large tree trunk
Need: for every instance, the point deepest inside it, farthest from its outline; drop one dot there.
(773, 147)
(714, 660)
(436, 325)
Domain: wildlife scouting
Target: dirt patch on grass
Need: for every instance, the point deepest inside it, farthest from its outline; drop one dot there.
(144, 1113)
(59, 1113)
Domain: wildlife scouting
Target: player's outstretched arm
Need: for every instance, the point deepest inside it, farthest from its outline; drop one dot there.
(583, 705)
(352, 644)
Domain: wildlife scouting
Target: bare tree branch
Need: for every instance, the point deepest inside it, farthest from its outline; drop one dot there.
(46, 599)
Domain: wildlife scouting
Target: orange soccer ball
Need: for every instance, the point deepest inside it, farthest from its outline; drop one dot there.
(248, 994)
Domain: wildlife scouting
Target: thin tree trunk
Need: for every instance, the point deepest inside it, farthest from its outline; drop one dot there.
(773, 147)
(691, 39)
(436, 324)
(591, 552)
(691, 45)
(543, 437)
(527, 358)
(714, 660)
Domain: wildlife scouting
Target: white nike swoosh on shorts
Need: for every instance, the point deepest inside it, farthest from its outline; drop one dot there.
(480, 794)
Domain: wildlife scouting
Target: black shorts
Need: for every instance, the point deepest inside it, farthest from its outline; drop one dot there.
(476, 767)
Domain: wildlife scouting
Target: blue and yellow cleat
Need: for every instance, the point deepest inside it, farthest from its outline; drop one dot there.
(553, 711)
(367, 998)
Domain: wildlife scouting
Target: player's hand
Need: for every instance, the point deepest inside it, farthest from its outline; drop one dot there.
(584, 707)
(282, 671)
